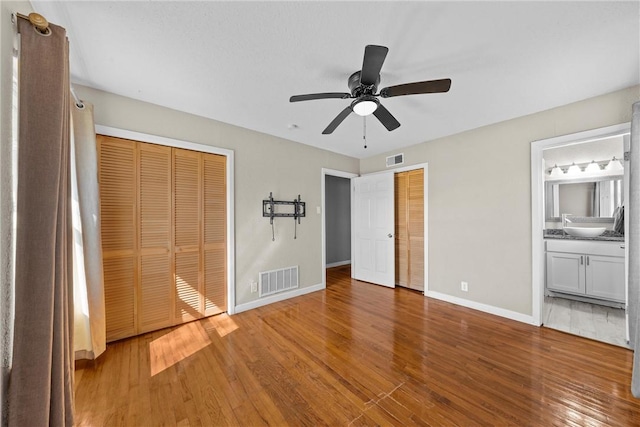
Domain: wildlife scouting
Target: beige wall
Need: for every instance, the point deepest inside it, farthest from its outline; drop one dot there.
(263, 164)
(480, 198)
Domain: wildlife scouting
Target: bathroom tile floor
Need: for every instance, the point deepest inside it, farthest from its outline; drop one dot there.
(593, 321)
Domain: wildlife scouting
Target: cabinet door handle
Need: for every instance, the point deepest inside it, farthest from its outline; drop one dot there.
(587, 259)
(581, 259)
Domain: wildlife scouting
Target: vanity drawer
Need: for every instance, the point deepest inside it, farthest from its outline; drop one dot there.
(586, 247)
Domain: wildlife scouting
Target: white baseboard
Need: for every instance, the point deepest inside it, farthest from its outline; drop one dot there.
(339, 263)
(513, 315)
(277, 298)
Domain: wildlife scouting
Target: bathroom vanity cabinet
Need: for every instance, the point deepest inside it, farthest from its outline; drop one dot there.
(589, 269)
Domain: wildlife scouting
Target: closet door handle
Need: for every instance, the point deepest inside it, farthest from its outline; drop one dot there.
(587, 259)
(581, 259)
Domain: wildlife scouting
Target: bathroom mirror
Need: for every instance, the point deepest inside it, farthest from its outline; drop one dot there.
(597, 198)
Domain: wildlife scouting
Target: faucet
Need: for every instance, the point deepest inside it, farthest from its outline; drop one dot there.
(565, 220)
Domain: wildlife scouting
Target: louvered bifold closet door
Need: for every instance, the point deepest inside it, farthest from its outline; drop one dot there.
(402, 237)
(187, 169)
(164, 235)
(117, 177)
(156, 284)
(415, 206)
(215, 237)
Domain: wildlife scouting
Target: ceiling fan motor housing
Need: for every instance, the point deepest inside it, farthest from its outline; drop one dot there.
(358, 89)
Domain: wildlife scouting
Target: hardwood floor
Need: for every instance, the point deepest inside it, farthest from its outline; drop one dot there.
(357, 354)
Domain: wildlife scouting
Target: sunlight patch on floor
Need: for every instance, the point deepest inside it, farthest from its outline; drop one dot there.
(176, 346)
(223, 324)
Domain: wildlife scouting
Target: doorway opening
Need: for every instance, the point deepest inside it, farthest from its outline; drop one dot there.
(579, 282)
(337, 199)
(420, 231)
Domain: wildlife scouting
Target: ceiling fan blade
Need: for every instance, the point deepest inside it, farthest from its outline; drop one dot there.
(312, 96)
(386, 118)
(339, 119)
(430, 86)
(373, 59)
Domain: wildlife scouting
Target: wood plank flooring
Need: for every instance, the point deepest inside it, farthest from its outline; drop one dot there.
(357, 354)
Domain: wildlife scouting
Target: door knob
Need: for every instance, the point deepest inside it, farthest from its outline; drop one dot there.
(389, 235)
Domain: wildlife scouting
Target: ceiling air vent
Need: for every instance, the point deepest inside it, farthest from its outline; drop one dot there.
(398, 159)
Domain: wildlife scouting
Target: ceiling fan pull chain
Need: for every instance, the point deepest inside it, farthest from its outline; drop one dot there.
(364, 130)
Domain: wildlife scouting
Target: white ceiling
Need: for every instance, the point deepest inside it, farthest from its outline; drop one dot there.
(239, 62)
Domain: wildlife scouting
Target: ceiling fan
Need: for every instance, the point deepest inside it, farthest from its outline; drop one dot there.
(363, 85)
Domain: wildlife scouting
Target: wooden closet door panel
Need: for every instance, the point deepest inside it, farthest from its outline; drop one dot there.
(156, 294)
(187, 288)
(415, 202)
(154, 200)
(187, 171)
(215, 236)
(119, 296)
(187, 199)
(117, 179)
(402, 248)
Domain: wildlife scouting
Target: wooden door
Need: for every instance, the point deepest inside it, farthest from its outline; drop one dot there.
(409, 242)
(164, 235)
(415, 228)
(118, 198)
(402, 235)
(154, 216)
(214, 248)
(187, 169)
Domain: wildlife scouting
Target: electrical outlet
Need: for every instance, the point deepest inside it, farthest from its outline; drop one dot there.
(254, 286)
(464, 286)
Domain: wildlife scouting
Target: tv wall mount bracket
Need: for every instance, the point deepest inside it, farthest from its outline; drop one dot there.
(283, 209)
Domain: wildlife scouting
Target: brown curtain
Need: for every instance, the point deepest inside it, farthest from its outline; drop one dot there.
(41, 381)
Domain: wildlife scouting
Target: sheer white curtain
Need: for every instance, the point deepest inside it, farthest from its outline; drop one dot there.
(88, 292)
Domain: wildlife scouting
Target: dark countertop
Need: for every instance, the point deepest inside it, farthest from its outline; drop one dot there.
(607, 236)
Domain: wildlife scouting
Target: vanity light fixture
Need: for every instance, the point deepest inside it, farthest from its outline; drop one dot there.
(556, 172)
(592, 167)
(614, 165)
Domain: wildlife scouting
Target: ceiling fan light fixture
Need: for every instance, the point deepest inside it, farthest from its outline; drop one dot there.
(365, 106)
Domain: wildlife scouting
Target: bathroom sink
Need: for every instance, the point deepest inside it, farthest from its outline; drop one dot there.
(584, 231)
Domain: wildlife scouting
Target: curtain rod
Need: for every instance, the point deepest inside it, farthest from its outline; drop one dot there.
(37, 20)
(42, 25)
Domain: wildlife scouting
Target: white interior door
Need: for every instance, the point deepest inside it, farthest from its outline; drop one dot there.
(373, 229)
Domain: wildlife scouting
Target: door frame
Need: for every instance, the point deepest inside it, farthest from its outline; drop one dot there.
(425, 167)
(176, 143)
(340, 174)
(537, 206)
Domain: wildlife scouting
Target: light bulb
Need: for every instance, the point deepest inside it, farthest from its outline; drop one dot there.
(365, 107)
(574, 169)
(614, 165)
(592, 167)
(556, 172)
